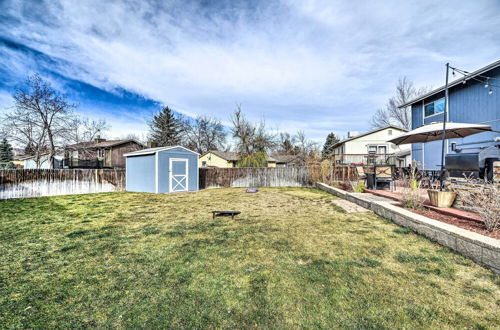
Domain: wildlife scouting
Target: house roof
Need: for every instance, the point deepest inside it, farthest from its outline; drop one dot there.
(227, 155)
(150, 151)
(232, 156)
(368, 133)
(456, 82)
(26, 157)
(285, 158)
(101, 144)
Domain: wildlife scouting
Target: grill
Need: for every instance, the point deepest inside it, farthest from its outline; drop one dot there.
(478, 163)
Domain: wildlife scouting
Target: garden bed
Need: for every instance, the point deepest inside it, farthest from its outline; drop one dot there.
(469, 224)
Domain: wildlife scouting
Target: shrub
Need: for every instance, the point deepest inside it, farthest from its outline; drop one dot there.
(485, 200)
(345, 185)
(359, 187)
(411, 195)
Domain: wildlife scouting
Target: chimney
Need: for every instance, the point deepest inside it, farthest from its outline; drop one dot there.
(98, 139)
(152, 144)
(352, 134)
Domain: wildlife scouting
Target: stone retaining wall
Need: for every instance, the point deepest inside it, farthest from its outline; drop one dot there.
(482, 249)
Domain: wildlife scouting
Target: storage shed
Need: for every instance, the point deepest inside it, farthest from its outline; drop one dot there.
(162, 170)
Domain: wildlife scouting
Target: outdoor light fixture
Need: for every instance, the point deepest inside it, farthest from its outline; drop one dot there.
(490, 91)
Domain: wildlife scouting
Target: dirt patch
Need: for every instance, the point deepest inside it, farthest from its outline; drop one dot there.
(471, 225)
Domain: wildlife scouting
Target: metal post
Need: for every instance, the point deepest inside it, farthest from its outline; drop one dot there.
(446, 101)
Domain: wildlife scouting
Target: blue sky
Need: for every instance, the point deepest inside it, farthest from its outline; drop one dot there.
(317, 66)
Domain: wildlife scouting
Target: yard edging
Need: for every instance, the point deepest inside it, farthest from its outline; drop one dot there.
(481, 249)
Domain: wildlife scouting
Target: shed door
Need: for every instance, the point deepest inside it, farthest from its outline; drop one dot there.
(178, 174)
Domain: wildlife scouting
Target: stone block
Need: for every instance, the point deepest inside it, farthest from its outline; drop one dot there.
(469, 249)
(445, 239)
(491, 258)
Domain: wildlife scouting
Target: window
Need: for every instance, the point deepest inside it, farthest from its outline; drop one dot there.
(434, 107)
(382, 150)
(389, 132)
(372, 149)
(204, 164)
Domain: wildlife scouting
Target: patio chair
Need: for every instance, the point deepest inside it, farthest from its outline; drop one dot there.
(361, 173)
(383, 174)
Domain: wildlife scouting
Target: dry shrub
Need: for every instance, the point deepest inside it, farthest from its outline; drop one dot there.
(411, 198)
(411, 185)
(345, 185)
(485, 200)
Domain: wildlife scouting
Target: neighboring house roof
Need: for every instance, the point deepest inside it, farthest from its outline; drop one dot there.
(368, 133)
(232, 156)
(101, 144)
(459, 81)
(227, 155)
(285, 158)
(26, 157)
(150, 151)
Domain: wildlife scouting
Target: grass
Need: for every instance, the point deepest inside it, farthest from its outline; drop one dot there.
(292, 259)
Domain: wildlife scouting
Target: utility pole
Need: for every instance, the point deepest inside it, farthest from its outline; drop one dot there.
(445, 117)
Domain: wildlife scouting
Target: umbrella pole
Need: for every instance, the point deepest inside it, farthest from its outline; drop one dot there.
(446, 105)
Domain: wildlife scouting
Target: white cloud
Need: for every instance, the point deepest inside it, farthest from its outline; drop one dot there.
(311, 65)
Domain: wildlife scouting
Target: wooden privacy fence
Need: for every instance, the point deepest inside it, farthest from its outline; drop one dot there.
(33, 182)
(296, 176)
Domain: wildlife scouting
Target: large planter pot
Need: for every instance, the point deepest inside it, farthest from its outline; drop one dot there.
(441, 198)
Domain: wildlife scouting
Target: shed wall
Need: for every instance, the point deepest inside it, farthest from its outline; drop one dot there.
(164, 170)
(140, 174)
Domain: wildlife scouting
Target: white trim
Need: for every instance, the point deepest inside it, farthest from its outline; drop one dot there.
(171, 176)
(436, 113)
(156, 173)
(155, 150)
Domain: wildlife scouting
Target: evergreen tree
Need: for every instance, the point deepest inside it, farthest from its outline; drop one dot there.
(166, 128)
(6, 154)
(331, 140)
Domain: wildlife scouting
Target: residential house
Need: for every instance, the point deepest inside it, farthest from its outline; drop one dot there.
(29, 162)
(370, 147)
(287, 160)
(225, 159)
(100, 153)
(474, 99)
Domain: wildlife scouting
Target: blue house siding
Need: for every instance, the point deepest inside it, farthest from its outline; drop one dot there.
(417, 120)
(164, 170)
(140, 174)
(468, 103)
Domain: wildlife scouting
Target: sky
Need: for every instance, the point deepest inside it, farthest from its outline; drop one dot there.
(313, 65)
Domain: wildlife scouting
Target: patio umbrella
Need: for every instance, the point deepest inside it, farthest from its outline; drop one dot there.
(434, 132)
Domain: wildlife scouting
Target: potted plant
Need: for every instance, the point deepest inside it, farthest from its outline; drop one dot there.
(441, 198)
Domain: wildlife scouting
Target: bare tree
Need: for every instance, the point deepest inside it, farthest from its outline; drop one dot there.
(24, 129)
(41, 116)
(305, 149)
(85, 129)
(285, 144)
(250, 138)
(205, 134)
(392, 114)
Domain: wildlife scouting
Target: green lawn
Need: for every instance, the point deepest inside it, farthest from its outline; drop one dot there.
(291, 260)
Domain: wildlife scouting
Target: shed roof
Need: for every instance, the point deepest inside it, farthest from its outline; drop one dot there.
(459, 81)
(150, 151)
